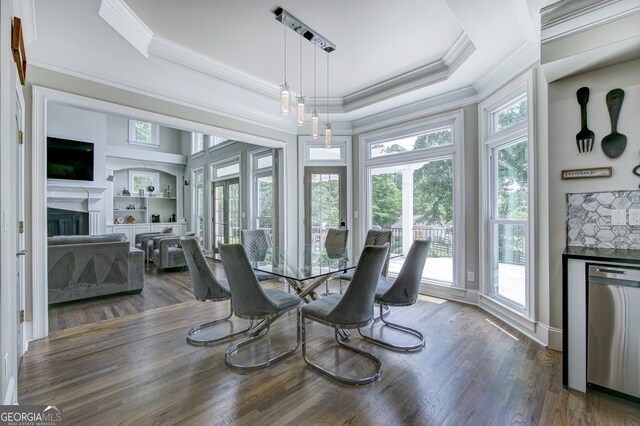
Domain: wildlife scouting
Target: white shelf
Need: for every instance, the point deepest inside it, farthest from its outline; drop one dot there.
(129, 210)
(145, 197)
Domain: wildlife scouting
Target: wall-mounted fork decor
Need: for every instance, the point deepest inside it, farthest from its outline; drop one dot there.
(585, 137)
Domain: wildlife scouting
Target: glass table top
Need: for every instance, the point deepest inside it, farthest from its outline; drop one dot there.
(302, 262)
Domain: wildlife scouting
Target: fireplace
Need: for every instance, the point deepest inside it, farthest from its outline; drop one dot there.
(67, 222)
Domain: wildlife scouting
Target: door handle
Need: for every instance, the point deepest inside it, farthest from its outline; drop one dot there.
(21, 253)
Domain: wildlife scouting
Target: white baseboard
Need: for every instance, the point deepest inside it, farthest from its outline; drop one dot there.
(450, 293)
(10, 393)
(27, 335)
(532, 329)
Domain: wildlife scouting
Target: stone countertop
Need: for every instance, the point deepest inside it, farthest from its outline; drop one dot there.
(603, 254)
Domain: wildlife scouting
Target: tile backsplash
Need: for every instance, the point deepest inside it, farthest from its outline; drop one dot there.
(589, 220)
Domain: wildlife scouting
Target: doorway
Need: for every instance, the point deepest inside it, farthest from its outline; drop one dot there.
(325, 202)
(226, 212)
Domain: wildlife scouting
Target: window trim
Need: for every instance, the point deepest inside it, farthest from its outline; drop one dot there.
(522, 86)
(455, 150)
(317, 143)
(228, 161)
(155, 134)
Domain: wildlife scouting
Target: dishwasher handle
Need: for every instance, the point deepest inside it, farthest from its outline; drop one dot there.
(614, 273)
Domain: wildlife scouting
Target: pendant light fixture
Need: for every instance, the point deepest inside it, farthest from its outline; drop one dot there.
(327, 127)
(301, 96)
(304, 31)
(284, 88)
(314, 115)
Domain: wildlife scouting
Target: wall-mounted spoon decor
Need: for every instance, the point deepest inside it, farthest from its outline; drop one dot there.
(614, 143)
(636, 171)
(585, 137)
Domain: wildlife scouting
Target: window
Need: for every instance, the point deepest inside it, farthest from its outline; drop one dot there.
(144, 133)
(506, 198)
(216, 140)
(431, 139)
(263, 191)
(199, 203)
(197, 142)
(225, 170)
(515, 112)
(316, 153)
(414, 189)
(142, 182)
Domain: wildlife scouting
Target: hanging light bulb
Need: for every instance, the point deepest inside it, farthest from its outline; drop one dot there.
(284, 88)
(327, 135)
(327, 127)
(284, 99)
(315, 120)
(301, 97)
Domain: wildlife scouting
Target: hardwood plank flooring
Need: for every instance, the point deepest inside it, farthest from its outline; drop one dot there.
(162, 288)
(474, 370)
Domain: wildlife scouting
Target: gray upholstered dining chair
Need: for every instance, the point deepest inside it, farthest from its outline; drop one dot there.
(257, 243)
(251, 301)
(374, 238)
(403, 292)
(353, 309)
(206, 288)
(335, 245)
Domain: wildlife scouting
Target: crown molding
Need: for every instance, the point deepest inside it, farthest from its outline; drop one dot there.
(117, 14)
(181, 56)
(418, 78)
(60, 59)
(26, 11)
(565, 18)
(523, 58)
(434, 105)
(124, 20)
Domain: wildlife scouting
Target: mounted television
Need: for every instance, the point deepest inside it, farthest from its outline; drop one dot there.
(69, 159)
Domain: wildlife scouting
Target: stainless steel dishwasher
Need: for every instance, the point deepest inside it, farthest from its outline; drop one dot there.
(613, 357)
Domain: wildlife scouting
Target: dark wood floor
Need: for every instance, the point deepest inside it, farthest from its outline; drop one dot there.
(161, 288)
(137, 369)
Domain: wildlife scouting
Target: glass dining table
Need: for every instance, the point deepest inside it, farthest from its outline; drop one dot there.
(305, 267)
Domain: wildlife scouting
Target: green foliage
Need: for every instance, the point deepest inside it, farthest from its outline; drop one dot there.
(513, 185)
(512, 115)
(433, 193)
(386, 199)
(143, 131)
(433, 139)
(325, 206)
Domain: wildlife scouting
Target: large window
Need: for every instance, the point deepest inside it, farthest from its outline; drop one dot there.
(414, 190)
(144, 133)
(263, 191)
(144, 183)
(199, 203)
(506, 198)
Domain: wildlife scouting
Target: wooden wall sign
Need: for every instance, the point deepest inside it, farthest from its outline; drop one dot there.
(17, 47)
(596, 172)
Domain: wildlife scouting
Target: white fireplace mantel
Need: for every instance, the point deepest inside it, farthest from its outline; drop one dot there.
(74, 198)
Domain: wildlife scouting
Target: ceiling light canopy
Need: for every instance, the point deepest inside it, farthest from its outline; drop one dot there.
(301, 28)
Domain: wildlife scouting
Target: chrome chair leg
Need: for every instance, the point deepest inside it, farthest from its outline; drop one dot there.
(234, 350)
(386, 311)
(199, 327)
(402, 328)
(333, 376)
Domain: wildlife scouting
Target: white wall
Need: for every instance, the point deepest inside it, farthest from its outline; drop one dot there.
(8, 222)
(88, 126)
(564, 123)
(118, 135)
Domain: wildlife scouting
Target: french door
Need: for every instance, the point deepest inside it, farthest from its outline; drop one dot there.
(226, 212)
(325, 202)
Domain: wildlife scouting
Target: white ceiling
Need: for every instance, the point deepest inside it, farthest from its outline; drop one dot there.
(227, 56)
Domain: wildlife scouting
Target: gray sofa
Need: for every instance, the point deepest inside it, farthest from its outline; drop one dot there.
(144, 241)
(83, 266)
(167, 251)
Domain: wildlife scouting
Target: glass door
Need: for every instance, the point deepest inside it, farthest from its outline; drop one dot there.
(226, 212)
(508, 225)
(325, 202)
